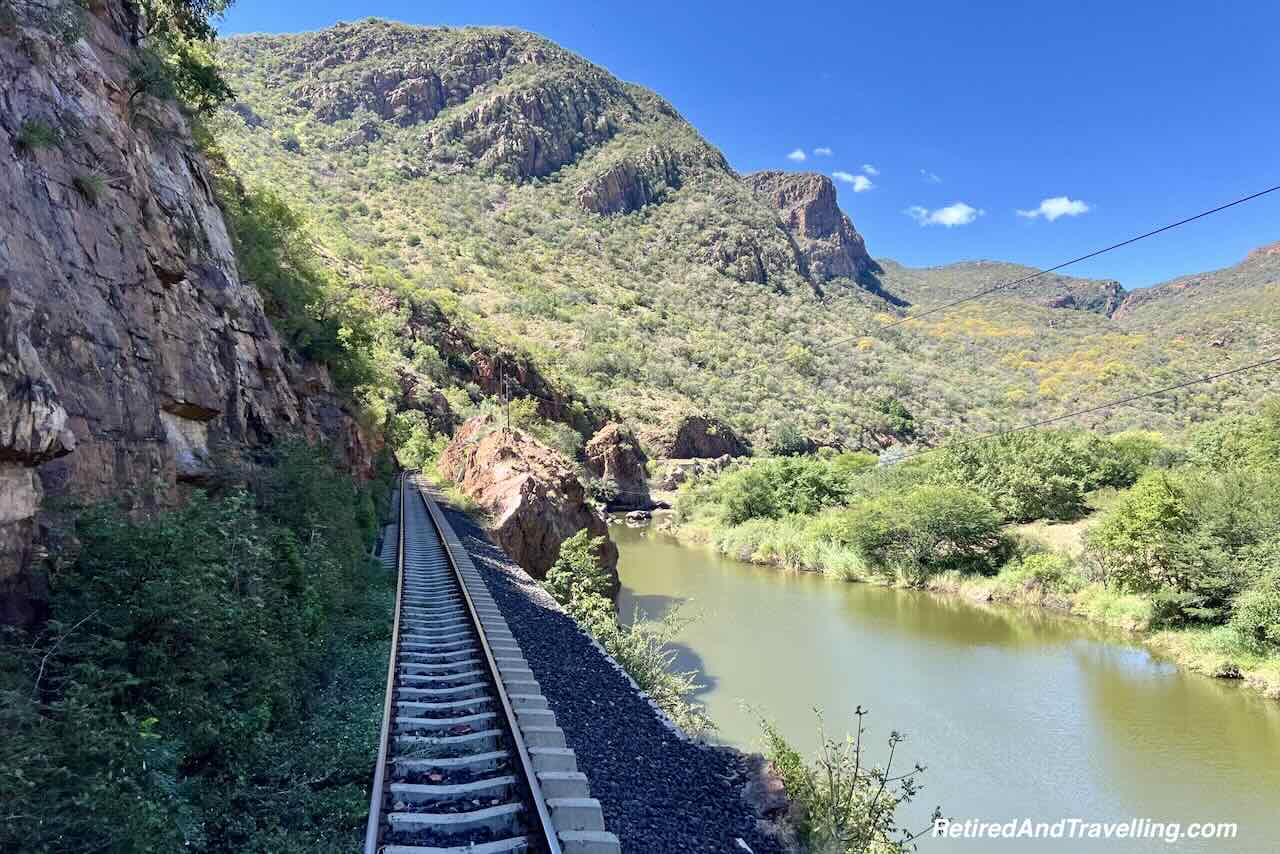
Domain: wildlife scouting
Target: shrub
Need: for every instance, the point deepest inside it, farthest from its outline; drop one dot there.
(577, 573)
(643, 649)
(1036, 474)
(91, 186)
(412, 441)
(842, 802)
(1256, 615)
(181, 657)
(788, 441)
(928, 530)
(1191, 539)
(1048, 571)
(36, 134)
(1239, 441)
(772, 488)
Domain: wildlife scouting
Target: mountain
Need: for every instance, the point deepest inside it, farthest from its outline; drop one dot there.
(554, 211)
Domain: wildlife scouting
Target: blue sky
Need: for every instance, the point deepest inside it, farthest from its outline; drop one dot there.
(1128, 114)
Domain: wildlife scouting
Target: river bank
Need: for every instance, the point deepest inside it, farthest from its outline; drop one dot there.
(1014, 711)
(1212, 652)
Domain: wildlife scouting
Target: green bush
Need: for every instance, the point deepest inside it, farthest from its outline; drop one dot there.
(90, 186)
(1256, 615)
(643, 649)
(412, 441)
(1037, 474)
(577, 573)
(166, 697)
(772, 488)
(1239, 441)
(929, 530)
(1191, 539)
(843, 802)
(36, 134)
(1049, 571)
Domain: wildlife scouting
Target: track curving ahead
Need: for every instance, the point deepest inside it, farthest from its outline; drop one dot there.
(470, 759)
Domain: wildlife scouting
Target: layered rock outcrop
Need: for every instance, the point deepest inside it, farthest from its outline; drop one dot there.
(828, 244)
(1102, 297)
(632, 183)
(530, 492)
(695, 436)
(614, 455)
(129, 346)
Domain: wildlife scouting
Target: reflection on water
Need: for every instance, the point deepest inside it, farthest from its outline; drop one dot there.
(1015, 713)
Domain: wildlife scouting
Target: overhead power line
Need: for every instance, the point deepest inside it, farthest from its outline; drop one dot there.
(1044, 422)
(1085, 257)
(1032, 276)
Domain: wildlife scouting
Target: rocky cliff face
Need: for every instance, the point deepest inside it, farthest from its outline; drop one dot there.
(695, 436)
(631, 183)
(614, 455)
(532, 494)
(129, 346)
(827, 242)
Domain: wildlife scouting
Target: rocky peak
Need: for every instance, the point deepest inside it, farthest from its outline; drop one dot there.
(827, 242)
(1271, 250)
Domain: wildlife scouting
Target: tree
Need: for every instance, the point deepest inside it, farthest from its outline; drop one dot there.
(174, 59)
(928, 530)
(577, 574)
(1036, 474)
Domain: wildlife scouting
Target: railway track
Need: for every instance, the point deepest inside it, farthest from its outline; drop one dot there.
(470, 760)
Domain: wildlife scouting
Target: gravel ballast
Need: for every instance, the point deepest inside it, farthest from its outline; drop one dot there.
(660, 793)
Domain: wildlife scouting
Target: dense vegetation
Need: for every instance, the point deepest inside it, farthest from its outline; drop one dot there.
(203, 682)
(1179, 537)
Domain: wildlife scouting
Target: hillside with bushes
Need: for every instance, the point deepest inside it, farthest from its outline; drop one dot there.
(562, 214)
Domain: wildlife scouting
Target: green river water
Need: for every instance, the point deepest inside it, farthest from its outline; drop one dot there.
(1015, 713)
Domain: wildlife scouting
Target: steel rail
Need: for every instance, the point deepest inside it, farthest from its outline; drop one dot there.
(552, 840)
(378, 795)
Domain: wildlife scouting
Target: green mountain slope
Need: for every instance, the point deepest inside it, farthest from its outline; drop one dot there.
(552, 209)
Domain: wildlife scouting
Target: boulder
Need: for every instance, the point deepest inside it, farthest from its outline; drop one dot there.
(695, 436)
(614, 455)
(530, 492)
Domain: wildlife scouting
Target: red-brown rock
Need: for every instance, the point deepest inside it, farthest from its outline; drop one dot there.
(827, 242)
(530, 492)
(129, 345)
(614, 456)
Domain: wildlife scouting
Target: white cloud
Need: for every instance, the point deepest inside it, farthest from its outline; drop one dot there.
(930, 177)
(861, 183)
(798, 155)
(869, 169)
(822, 151)
(950, 216)
(1058, 206)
